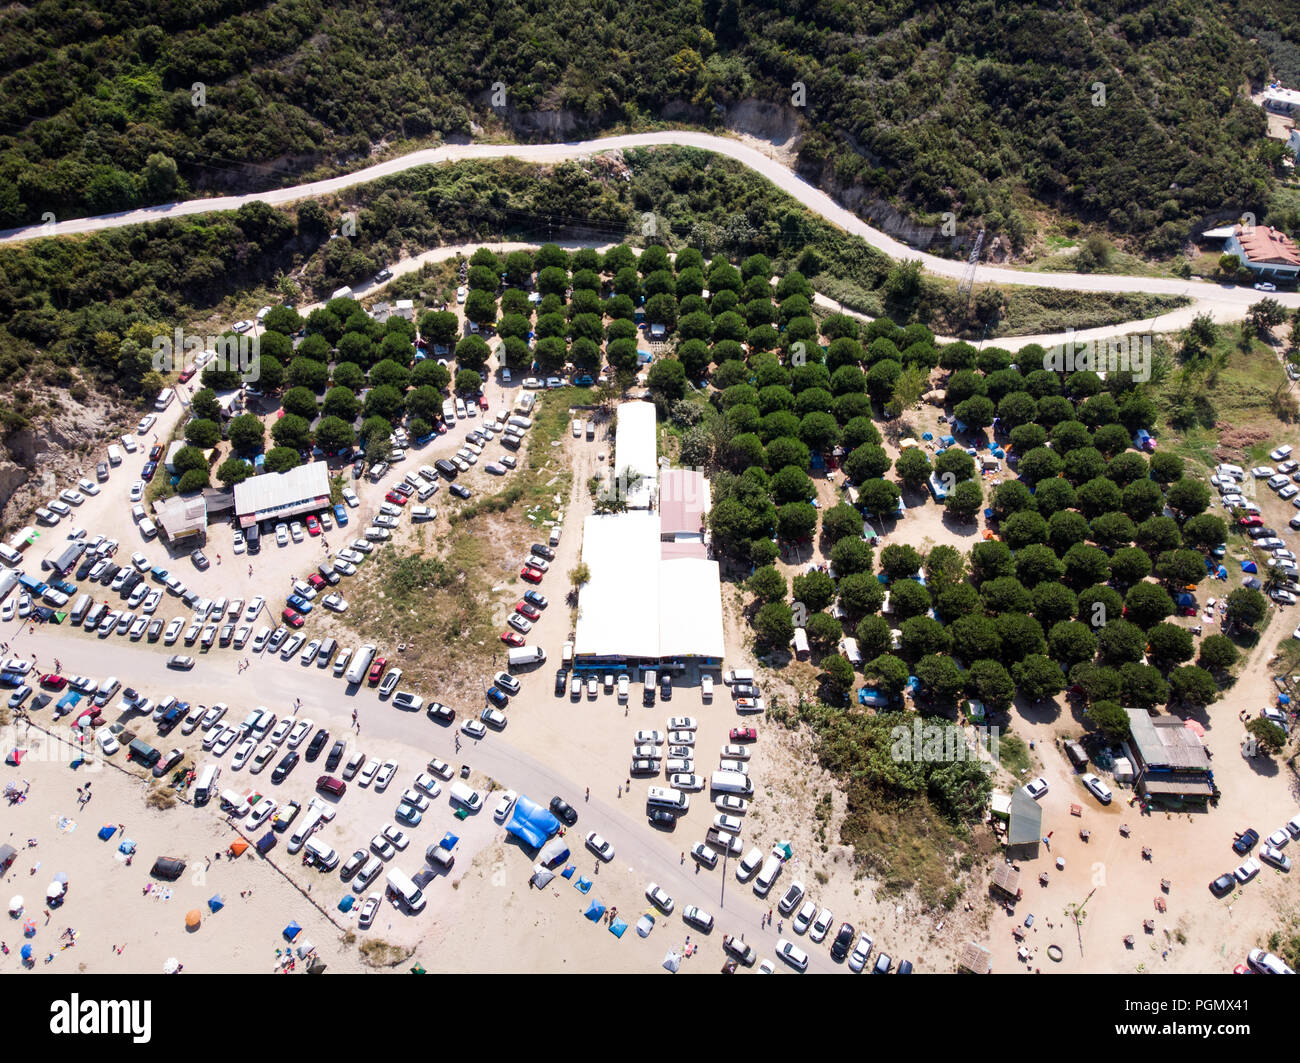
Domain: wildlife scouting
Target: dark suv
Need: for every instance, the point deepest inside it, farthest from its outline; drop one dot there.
(843, 942)
(543, 551)
(317, 744)
(336, 754)
(666, 687)
(564, 811)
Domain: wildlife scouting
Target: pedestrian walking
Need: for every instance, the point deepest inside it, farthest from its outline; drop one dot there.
(620, 789)
(588, 793)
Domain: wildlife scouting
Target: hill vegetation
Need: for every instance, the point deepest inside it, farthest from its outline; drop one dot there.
(988, 114)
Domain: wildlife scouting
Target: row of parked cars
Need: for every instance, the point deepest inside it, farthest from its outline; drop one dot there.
(1270, 853)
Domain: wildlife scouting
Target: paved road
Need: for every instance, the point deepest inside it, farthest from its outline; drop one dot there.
(1225, 302)
(277, 683)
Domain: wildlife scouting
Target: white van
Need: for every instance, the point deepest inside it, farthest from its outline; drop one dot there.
(164, 399)
(326, 858)
(666, 797)
(9, 555)
(463, 795)
(238, 807)
(771, 871)
(148, 528)
(400, 883)
(114, 454)
(577, 427)
(303, 831)
(521, 422)
(128, 444)
(731, 782)
(800, 643)
(207, 780)
(738, 675)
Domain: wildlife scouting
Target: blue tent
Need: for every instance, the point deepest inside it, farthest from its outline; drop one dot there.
(617, 928)
(345, 905)
(1284, 699)
(594, 911)
(567, 872)
(583, 885)
(107, 831)
(449, 841)
(947, 441)
(127, 847)
(215, 904)
(1186, 599)
(531, 823)
(292, 931)
(927, 436)
(1221, 572)
(1249, 566)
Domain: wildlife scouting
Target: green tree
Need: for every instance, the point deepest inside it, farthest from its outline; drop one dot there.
(292, 431)
(246, 433)
(334, 435)
(1071, 643)
(837, 676)
(282, 459)
(851, 556)
(1037, 676)
(202, 433)
(992, 684)
(899, 561)
(1189, 685)
(1218, 653)
(964, 501)
(1269, 737)
(233, 471)
(889, 673)
(815, 590)
(1109, 718)
(1246, 607)
(941, 676)
(860, 593)
(767, 584)
(774, 625)
(796, 521)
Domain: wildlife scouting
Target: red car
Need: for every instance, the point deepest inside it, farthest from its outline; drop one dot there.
(187, 374)
(313, 526)
(512, 638)
(155, 452)
(1250, 522)
(317, 581)
(395, 498)
(530, 611)
(532, 575)
(482, 402)
(291, 617)
(377, 669)
(744, 734)
(54, 681)
(440, 428)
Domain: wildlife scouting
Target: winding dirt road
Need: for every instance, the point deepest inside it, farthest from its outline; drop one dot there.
(1224, 303)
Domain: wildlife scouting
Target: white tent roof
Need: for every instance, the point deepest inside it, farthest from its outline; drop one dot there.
(635, 448)
(616, 615)
(637, 604)
(690, 608)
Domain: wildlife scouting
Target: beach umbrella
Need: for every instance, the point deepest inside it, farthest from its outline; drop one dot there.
(29, 929)
(53, 891)
(16, 905)
(15, 756)
(172, 965)
(238, 847)
(26, 952)
(192, 919)
(292, 930)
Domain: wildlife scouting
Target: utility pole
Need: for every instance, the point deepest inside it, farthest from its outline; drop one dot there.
(968, 275)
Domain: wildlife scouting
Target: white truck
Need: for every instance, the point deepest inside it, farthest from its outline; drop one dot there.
(360, 666)
(523, 656)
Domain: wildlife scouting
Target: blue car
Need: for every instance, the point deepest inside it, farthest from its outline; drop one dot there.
(340, 514)
(408, 814)
(533, 598)
(498, 697)
(298, 602)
